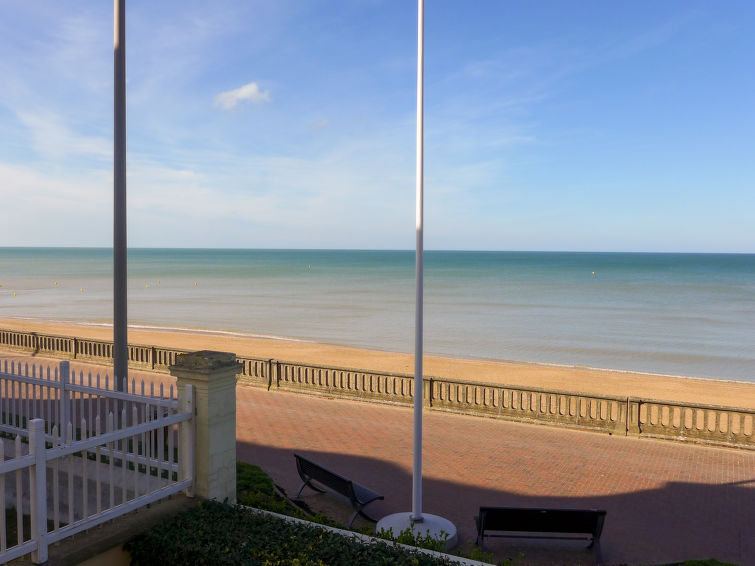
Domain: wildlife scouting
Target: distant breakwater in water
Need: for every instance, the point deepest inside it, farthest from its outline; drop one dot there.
(676, 314)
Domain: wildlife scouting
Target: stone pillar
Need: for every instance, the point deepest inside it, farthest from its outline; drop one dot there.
(213, 377)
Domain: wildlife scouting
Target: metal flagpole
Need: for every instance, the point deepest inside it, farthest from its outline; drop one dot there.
(421, 524)
(120, 322)
(419, 268)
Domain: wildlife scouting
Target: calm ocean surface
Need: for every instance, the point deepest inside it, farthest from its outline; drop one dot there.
(681, 314)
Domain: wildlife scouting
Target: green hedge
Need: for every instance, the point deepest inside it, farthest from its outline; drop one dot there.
(218, 534)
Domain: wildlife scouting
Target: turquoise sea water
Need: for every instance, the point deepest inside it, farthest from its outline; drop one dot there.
(681, 314)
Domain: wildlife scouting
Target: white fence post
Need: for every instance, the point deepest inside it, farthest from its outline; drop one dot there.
(38, 490)
(65, 399)
(3, 536)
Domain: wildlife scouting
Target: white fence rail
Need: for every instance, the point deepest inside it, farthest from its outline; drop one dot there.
(59, 396)
(116, 452)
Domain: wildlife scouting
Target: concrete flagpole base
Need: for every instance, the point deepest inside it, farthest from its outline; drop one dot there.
(431, 525)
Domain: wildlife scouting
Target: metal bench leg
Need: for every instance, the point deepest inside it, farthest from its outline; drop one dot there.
(366, 516)
(306, 483)
(360, 511)
(354, 516)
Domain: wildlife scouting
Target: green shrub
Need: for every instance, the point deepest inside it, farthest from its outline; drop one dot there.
(474, 552)
(218, 534)
(253, 478)
(254, 488)
(409, 537)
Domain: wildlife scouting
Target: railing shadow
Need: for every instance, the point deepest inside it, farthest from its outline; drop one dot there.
(35, 338)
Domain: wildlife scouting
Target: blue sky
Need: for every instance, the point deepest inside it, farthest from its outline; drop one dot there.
(616, 126)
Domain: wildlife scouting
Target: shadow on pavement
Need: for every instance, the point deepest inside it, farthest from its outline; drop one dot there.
(681, 521)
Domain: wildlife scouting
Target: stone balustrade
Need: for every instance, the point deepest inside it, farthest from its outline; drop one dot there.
(343, 382)
(632, 416)
(709, 424)
(579, 410)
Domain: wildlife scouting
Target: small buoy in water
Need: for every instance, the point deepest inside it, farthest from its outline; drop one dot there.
(593, 273)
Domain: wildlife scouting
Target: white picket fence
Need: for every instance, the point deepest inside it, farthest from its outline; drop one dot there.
(77, 453)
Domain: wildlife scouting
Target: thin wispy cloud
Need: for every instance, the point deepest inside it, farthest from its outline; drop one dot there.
(52, 138)
(250, 92)
(319, 125)
(51, 205)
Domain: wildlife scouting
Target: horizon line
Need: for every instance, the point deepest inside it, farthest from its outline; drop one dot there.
(411, 250)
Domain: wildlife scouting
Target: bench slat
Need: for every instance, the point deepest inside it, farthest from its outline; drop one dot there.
(572, 521)
(365, 495)
(325, 477)
(551, 522)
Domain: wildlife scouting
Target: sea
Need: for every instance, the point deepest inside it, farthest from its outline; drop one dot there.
(664, 313)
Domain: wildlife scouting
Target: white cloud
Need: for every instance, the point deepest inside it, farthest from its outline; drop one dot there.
(230, 98)
(52, 188)
(55, 207)
(52, 138)
(320, 125)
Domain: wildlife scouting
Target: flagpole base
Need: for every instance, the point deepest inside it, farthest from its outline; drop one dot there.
(431, 526)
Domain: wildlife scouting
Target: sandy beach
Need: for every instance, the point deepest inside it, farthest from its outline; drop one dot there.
(589, 380)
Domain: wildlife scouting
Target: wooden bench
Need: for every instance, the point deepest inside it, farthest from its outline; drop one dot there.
(579, 524)
(358, 495)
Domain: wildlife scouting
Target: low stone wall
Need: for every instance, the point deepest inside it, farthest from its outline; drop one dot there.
(579, 410)
(709, 424)
(631, 416)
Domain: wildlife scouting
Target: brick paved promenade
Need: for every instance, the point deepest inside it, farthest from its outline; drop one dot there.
(666, 501)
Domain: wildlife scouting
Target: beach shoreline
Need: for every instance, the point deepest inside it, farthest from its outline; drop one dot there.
(596, 381)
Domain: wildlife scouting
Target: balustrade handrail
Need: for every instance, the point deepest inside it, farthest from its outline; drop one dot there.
(698, 406)
(335, 368)
(528, 388)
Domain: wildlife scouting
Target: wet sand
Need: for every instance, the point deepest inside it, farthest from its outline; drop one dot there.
(567, 378)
